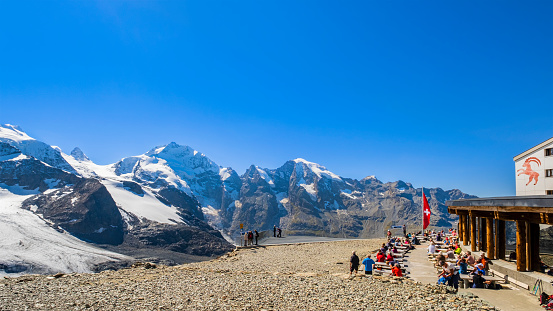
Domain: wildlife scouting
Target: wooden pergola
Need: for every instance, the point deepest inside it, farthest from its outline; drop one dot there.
(482, 223)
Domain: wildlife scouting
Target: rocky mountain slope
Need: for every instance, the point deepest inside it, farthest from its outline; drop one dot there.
(176, 199)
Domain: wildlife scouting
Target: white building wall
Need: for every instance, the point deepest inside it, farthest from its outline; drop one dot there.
(543, 183)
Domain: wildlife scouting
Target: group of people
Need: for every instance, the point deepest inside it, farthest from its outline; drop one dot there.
(454, 262)
(386, 255)
(277, 232)
(249, 237)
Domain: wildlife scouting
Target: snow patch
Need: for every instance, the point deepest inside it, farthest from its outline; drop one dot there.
(148, 206)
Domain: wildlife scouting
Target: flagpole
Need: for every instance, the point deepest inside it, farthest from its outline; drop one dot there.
(422, 219)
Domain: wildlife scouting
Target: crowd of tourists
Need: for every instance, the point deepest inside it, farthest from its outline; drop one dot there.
(454, 262)
(387, 257)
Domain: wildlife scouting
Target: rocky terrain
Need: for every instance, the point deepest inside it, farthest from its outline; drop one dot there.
(288, 277)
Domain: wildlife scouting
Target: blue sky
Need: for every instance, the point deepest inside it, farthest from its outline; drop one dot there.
(436, 93)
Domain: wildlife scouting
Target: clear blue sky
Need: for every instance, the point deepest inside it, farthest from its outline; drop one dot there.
(437, 93)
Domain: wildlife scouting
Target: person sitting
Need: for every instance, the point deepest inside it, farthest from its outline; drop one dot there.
(432, 248)
(396, 270)
(394, 250)
(470, 258)
(450, 253)
(458, 249)
(415, 241)
(439, 259)
(485, 261)
(478, 281)
(443, 276)
(478, 268)
(389, 257)
(380, 257)
(463, 266)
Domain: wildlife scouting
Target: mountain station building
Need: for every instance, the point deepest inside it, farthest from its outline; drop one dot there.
(482, 220)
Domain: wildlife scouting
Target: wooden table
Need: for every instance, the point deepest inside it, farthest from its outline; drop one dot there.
(467, 278)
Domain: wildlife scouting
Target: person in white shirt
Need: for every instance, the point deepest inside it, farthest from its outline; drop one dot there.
(432, 248)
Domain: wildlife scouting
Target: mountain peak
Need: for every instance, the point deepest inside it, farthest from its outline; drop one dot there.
(316, 168)
(79, 155)
(13, 132)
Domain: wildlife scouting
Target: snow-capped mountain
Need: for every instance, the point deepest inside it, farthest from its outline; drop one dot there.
(93, 204)
(176, 199)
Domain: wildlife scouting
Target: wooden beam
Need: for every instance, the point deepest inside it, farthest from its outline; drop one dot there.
(521, 245)
(481, 213)
(501, 237)
(490, 251)
(507, 209)
(473, 234)
(530, 217)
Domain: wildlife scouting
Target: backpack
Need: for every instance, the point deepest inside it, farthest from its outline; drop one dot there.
(544, 298)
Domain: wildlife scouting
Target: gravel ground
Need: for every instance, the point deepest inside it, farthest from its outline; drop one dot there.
(289, 277)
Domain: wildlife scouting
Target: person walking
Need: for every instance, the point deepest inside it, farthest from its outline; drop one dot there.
(279, 234)
(369, 264)
(256, 236)
(353, 263)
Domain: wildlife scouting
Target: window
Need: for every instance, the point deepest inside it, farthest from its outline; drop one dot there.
(548, 152)
(549, 173)
(549, 192)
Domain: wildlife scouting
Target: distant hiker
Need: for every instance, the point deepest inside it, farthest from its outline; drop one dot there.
(246, 238)
(369, 264)
(404, 230)
(389, 234)
(353, 263)
(279, 234)
(256, 236)
(274, 231)
(250, 238)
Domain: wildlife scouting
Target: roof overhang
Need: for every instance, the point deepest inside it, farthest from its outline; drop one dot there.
(532, 150)
(536, 209)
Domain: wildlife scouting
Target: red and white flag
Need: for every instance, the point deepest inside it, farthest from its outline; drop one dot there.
(425, 212)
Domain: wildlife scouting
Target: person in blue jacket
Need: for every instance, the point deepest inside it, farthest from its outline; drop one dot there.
(369, 264)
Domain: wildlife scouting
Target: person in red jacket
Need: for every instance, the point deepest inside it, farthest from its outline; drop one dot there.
(390, 257)
(396, 271)
(380, 257)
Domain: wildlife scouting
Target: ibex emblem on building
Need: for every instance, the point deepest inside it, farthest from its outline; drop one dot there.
(527, 170)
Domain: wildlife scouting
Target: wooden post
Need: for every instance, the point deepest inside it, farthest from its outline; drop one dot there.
(483, 234)
(533, 247)
(500, 233)
(473, 233)
(521, 245)
(466, 230)
(529, 238)
(460, 227)
(489, 238)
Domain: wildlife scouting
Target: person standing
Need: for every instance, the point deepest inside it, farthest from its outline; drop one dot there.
(256, 236)
(389, 234)
(353, 263)
(404, 230)
(246, 238)
(369, 264)
(274, 231)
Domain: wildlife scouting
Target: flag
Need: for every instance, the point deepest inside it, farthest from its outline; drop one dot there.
(425, 212)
